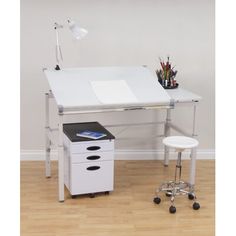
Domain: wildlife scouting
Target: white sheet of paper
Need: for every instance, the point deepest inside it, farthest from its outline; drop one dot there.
(113, 92)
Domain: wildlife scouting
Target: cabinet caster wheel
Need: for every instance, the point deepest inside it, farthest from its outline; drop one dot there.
(172, 209)
(92, 195)
(107, 193)
(190, 196)
(196, 205)
(73, 196)
(157, 200)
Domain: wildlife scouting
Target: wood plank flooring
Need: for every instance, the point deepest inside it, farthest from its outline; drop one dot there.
(127, 211)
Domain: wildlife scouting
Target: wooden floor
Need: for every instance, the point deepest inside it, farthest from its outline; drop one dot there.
(128, 211)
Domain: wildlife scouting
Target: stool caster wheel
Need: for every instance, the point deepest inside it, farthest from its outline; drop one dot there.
(172, 209)
(190, 196)
(168, 193)
(157, 200)
(92, 195)
(196, 205)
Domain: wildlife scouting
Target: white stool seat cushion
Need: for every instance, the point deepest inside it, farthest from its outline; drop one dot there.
(180, 142)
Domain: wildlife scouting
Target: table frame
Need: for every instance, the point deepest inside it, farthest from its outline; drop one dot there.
(168, 125)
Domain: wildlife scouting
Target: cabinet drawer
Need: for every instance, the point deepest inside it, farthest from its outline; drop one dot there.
(93, 146)
(92, 177)
(92, 157)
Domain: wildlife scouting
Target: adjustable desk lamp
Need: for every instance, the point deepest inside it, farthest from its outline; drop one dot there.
(76, 31)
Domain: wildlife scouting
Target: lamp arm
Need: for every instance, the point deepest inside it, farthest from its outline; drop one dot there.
(77, 32)
(58, 47)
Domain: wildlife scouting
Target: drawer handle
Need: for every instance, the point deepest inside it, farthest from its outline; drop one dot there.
(93, 167)
(93, 148)
(93, 158)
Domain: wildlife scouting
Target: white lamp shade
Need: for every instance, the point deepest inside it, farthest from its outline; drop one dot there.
(77, 31)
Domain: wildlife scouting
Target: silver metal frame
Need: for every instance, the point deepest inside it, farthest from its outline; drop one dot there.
(168, 125)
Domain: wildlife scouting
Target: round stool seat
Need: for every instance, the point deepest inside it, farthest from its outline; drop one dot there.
(180, 142)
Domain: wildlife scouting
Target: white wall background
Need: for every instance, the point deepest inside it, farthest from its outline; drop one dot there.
(123, 33)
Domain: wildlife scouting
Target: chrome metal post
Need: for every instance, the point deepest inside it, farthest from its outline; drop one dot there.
(178, 167)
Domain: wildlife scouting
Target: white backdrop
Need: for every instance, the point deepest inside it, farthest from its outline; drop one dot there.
(122, 33)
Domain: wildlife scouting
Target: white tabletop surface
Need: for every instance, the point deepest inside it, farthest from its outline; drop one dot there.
(180, 95)
(72, 87)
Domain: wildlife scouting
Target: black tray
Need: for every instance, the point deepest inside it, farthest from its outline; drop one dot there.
(171, 87)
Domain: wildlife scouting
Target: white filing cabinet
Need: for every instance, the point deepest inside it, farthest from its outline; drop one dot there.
(89, 164)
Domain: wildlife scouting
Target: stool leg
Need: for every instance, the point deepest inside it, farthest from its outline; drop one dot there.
(178, 166)
(172, 208)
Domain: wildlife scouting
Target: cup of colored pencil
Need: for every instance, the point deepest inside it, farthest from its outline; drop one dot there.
(166, 75)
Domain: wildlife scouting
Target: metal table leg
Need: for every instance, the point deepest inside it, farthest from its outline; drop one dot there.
(47, 140)
(192, 166)
(193, 154)
(60, 159)
(167, 133)
(194, 120)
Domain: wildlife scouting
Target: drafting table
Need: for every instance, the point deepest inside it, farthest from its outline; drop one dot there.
(74, 93)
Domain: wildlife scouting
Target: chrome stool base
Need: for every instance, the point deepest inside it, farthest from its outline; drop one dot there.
(175, 188)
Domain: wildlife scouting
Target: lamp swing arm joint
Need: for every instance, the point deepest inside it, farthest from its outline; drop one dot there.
(57, 26)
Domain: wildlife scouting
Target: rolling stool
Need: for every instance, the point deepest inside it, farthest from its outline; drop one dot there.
(178, 187)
